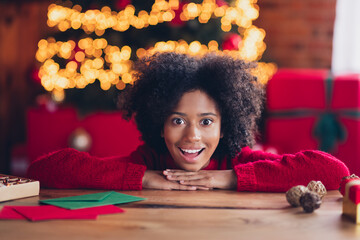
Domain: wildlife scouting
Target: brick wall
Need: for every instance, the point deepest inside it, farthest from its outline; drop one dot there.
(21, 27)
(298, 32)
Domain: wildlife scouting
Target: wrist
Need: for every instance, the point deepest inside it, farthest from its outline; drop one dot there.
(233, 179)
(144, 179)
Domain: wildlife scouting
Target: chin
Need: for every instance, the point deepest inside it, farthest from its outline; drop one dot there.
(191, 168)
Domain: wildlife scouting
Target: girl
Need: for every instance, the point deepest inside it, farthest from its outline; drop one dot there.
(197, 117)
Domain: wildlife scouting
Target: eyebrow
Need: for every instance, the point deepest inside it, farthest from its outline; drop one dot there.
(201, 114)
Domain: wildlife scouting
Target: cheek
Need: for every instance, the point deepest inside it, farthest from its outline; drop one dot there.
(214, 135)
(171, 135)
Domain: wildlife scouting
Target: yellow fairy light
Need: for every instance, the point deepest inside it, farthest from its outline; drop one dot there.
(85, 43)
(140, 53)
(71, 66)
(90, 51)
(168, 16)
(213, 45)
(72, 82)
(58, 95)
(204, 17)
(126, 68)
(64, 25)
(81, 82)
(126, 78)
(192, 10)
(174, 4)
(195, 46)
(42, 44)
(226, 28)
(103, 76)
(129, 10)
(115, 57)
(97, 53)
(80, 56)
(114, 79)
(99, 32)
(52, 68)
(143, 14)
(56, 13)
(78, 8)
(219, 11)
(61, 83)
(120, 85)
(98, 63)
(40, 56)
(153, 20)
(125, 53)
(106, 9)
(105, 85)
(117, 68)
(66, 47)
(76, 24)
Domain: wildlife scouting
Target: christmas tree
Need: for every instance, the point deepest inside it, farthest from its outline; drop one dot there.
(90, 58)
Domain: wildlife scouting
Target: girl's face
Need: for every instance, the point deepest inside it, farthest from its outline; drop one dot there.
(193, 130)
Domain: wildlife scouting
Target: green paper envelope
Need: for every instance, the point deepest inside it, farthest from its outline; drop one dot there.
(92, 200)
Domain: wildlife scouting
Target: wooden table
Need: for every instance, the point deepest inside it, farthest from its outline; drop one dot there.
(192, 215)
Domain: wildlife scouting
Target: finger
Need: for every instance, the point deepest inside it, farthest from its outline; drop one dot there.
(203, 188)
(177, 186)
(199, 187)
(204, 182)
(185, 188)
(178, 173)
(185, 178)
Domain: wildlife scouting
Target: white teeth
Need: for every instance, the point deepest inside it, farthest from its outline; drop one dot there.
(191, 151)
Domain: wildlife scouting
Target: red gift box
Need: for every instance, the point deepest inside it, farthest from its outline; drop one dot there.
(310, 109)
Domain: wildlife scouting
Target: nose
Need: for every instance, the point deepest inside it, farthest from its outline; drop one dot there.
(192, 133)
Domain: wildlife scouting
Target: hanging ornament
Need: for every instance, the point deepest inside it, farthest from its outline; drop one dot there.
(294, 194)
(345, 180)
(318, 187)
(310, 201)
(80, 140)
(221, 3)
(34, 75)
(44, 101)
(176, 21)
(231, 42)
(77, 55)
(121, 4)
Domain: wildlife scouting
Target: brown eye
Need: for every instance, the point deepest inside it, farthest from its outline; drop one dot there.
(178, 121)
(206, 122)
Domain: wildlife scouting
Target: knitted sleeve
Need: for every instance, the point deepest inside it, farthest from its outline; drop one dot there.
(266, 172)
(69, 168)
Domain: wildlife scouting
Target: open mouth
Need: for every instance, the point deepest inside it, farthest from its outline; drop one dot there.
(191, 152)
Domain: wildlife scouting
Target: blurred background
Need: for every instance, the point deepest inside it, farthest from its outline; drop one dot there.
(62, 63)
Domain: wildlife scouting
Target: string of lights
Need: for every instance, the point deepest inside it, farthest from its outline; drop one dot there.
(242, 15)
(90, 59)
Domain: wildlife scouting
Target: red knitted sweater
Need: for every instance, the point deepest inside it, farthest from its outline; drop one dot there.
(255, 170)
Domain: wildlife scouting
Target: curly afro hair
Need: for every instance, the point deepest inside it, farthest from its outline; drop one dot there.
(163, 78)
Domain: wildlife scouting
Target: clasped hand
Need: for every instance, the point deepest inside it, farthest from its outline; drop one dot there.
(184, 180)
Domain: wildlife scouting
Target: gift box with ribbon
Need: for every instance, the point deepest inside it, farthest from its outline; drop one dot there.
(311, 109)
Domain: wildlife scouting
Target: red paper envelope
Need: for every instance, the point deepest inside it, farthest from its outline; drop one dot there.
(37, 213)
(8, 212)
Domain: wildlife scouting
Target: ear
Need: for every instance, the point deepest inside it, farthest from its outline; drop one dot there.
(162, 133)
(221, 135)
